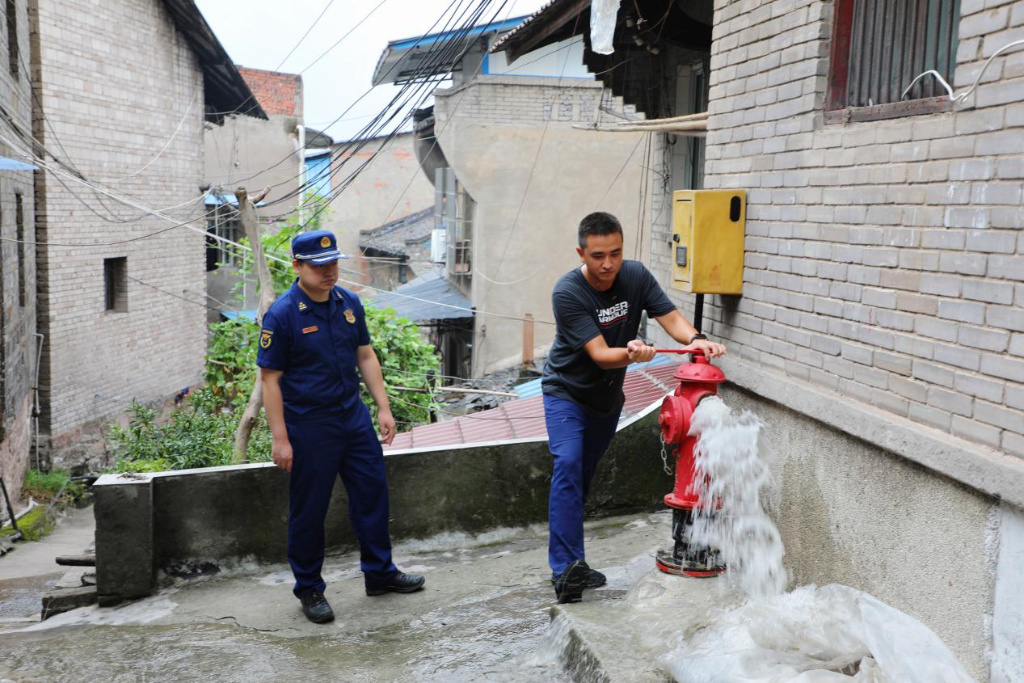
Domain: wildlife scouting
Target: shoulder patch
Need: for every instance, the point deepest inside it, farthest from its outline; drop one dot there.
(266, 338)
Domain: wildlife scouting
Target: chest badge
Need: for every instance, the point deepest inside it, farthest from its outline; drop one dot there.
(265, 339)
(313, 328)
(350, 316)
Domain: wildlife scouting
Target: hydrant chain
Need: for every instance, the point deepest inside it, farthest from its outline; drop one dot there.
(664, 457)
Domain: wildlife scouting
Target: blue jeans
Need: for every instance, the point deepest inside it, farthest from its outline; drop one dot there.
(576, 441)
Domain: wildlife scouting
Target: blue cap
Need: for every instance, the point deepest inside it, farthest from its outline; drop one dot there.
(317, 247)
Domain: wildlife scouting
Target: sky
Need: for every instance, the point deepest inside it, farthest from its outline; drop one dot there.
(260, 34)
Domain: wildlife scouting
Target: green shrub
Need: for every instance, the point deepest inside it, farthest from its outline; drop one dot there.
(201, 433)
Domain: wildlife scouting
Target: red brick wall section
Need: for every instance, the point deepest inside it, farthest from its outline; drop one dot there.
(278, 93)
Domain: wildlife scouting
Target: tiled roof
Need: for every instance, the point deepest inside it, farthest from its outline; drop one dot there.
(393, 237)
(524, 418)
(224, 89)
(425, 299)
(277, 93)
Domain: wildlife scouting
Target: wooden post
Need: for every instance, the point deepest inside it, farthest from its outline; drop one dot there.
(247, 215)
(528, 339)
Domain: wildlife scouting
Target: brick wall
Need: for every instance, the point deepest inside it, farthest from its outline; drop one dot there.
(884, 259)
(18, 275)
(115, 80)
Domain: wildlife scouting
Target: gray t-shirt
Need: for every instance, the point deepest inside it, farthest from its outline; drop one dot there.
(581, 314)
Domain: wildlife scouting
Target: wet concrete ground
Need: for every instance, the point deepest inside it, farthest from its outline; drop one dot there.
(484, 616)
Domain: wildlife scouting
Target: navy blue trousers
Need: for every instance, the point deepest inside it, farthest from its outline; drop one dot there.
(576, 441)
(345, 445)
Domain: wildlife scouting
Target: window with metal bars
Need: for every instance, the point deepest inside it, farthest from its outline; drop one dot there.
(12, 37)
(880, 46)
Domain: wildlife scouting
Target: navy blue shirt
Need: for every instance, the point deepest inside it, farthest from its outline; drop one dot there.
(582, 313)
(315, 345)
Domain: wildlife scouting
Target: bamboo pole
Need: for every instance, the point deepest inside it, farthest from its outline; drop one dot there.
(691, 128)
(702, 116)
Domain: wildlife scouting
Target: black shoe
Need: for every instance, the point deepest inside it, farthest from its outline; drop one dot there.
(569, 584)
(399, 583)
(315, 607)
(595, 579)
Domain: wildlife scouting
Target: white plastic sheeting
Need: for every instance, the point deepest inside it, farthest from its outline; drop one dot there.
(833, 634)
(603, 14)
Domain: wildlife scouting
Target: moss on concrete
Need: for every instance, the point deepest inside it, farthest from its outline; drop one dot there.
(34, 525)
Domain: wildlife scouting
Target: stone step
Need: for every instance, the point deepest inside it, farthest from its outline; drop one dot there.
(66, 599)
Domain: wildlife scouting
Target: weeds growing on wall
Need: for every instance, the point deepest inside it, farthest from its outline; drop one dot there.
(44, 486)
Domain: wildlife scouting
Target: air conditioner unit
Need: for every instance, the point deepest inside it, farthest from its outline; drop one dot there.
(438, 245)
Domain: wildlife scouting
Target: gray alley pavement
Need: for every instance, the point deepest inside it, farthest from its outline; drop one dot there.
(483, 616)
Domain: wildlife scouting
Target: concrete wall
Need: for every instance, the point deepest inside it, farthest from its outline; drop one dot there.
(850, 513)
(114, 80)
(180, 520)
(254, 153)
(18, 275)
(533, 177)
(390, 186)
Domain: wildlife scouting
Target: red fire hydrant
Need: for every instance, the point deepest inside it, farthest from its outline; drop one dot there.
(697, 380)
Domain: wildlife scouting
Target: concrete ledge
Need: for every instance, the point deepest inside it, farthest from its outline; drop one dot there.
(986, 470)
(124, 538)
(198, 521)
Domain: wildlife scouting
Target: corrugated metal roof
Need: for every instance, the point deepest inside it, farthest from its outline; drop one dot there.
(532, 388)
(523, 418)
(429, 297)
(413, 58)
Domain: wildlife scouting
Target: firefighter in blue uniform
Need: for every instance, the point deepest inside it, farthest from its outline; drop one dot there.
(312, 341)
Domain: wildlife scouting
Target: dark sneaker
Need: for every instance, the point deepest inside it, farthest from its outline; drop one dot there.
(569, 584)
(315, 607)
(595, 579)
(399, 583)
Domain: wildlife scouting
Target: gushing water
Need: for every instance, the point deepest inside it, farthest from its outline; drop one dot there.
(730, 479)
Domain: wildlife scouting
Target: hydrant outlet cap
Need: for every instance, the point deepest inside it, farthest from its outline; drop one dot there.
(700, 371)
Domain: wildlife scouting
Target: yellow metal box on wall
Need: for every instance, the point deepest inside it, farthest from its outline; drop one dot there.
(707, 240)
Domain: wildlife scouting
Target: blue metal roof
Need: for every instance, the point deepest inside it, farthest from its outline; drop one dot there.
(435, 299)
(12, 165)
(532, 388)
(401, 59)
(233, 315)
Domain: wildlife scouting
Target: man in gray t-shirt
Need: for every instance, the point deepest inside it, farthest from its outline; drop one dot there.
(597, 315)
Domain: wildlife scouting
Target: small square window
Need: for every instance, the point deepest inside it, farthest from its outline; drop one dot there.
(115, 284)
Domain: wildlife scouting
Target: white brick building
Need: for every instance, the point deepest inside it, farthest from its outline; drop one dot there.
(523, 172)
(122, 89)
(18, 256)
(881, 328)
